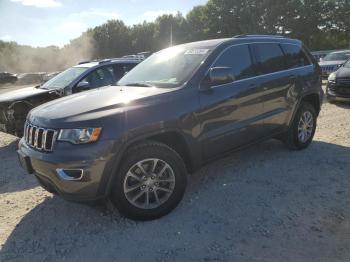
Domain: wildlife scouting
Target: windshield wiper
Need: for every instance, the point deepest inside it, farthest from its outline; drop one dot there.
(141, 84)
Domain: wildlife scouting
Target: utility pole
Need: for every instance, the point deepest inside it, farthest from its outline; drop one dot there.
(171, 34)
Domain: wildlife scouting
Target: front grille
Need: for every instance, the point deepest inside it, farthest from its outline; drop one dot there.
(39, 138)
(328, 69)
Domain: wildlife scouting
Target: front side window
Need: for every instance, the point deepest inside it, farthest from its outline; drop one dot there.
(168, 68)
(295, 56)
(103, 76)
(270, 58)
(239, 59)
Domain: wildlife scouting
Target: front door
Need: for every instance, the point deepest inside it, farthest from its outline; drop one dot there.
(230, 114)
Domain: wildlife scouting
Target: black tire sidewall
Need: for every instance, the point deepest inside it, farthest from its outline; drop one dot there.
(154, 150)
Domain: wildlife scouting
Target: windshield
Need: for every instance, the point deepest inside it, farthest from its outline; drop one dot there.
(337, 56)
(168, 68)
(64, 79)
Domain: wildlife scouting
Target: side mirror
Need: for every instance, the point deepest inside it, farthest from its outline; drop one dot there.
(321, 59)
(82, 86)
(220, 76)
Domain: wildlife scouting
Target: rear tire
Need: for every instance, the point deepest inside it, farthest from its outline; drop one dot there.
(302, 130)
(150, 183)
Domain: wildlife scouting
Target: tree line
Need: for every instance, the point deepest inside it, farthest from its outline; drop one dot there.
(320, 24)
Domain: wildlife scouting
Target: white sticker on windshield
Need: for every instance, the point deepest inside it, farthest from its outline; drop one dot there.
(196, 52)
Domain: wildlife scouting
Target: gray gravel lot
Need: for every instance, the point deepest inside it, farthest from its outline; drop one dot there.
(265, 203)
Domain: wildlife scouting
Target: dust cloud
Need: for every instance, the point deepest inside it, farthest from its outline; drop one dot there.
(17, 59)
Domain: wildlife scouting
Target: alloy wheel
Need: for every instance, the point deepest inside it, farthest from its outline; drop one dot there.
(149, 183)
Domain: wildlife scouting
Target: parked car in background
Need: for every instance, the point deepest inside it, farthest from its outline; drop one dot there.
(7, 78)
(179, 109)
(338, 86)
(331, 62)
(15, 105)
(30, 78)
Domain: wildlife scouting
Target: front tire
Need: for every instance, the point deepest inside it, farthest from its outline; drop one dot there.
(151, 182)
(302, 130)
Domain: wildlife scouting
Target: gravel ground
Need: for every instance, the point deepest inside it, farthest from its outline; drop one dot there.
(265, 203)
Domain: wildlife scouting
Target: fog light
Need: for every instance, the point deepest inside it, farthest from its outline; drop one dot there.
(70, 174)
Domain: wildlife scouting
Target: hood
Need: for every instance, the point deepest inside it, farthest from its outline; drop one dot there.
(331, 63)
(343, 72)
(22, 93)
(94, 104)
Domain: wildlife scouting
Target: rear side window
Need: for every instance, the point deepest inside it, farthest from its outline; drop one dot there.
(270, 58)
(239, 59)
(295, 56)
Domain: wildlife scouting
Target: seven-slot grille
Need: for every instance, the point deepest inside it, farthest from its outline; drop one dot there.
(328, 69)
(39, 138)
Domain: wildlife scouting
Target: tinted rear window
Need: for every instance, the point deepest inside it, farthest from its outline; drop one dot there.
(270, 58)
(295, 56)
(239, 59)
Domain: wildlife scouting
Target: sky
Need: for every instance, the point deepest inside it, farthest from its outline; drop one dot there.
(55, 22)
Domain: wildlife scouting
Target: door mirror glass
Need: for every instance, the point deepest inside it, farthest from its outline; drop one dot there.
(82, 86)
(221, 75)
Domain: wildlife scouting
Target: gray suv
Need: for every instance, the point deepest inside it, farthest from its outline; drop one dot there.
(136, 142)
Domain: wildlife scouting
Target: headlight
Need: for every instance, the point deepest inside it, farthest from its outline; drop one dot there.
(79, 136)
(332, 77)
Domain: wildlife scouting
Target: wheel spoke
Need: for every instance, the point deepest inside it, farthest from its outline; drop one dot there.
(147, 199)
(163, 170)
(137, 196)
(164, 189)
(132, 188)
(156, 196)
(142, 169)
(155, 162)
(130, 174)
(165, 180)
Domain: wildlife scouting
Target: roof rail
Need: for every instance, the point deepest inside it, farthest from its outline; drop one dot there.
(243, 36)
(84, 62)
(104, 61)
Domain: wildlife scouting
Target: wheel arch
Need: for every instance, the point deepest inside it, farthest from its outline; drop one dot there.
(172, 138)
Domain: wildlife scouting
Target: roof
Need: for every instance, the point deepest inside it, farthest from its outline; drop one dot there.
(211, 44)
(90, 64)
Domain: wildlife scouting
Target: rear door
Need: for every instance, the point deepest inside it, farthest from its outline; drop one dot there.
(277, 83)
(231, 114)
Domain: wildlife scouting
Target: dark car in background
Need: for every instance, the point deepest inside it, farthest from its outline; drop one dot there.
(338, 86)
(331, 62)
(180, 108)
(15, 105)
(7, 78)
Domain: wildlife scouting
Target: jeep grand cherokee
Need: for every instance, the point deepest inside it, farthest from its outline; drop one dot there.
(177, 110)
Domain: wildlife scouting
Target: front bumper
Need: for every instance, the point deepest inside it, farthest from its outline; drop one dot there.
(338, 93)
(93, 160)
